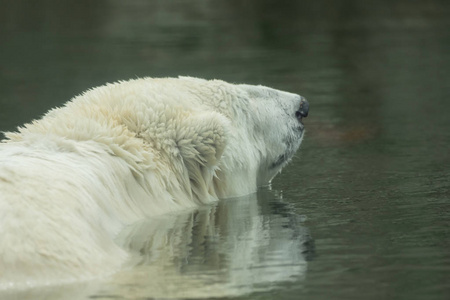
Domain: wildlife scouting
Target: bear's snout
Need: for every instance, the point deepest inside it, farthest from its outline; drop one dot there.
(302, 112)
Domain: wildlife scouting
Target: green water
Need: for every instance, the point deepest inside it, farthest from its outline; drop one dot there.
(362, 212)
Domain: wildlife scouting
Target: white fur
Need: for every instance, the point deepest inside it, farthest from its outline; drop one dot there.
(72, 180)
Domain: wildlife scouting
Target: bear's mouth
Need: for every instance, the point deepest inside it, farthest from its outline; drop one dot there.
(280, 161)
(292, 144)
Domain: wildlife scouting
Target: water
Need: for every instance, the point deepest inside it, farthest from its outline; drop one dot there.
(362, 212)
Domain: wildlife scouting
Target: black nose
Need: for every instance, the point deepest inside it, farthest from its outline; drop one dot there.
(304, 108)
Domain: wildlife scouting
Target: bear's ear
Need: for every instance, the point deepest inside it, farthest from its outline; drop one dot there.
(256, 91)
(203, 138)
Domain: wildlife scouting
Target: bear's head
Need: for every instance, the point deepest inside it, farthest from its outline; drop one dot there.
(263, 129)
(276, 127)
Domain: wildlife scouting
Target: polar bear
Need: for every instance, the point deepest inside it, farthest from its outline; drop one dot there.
(122, 152)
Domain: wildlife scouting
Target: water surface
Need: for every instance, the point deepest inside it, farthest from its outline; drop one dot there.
(362, 212)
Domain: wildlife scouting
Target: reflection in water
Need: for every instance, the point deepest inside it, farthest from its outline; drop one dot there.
(237, 246)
